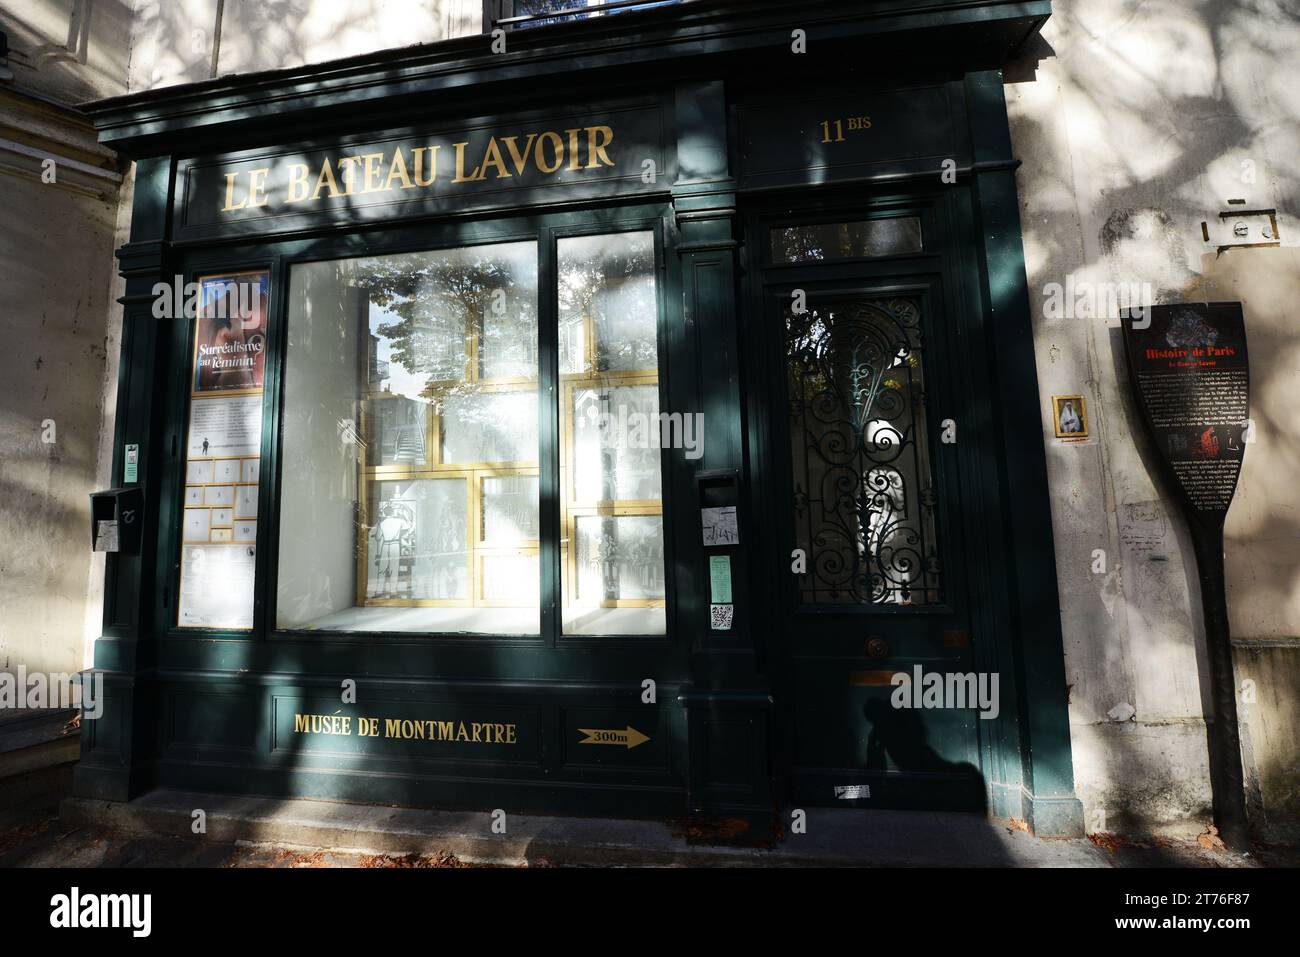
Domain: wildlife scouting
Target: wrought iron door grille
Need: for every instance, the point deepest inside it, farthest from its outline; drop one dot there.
(864, 495)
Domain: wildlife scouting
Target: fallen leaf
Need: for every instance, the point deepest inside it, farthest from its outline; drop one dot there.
(441, 859)
(1111, 842)
(1210, 839)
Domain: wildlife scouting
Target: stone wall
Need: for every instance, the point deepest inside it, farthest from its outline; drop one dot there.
(1136, 122)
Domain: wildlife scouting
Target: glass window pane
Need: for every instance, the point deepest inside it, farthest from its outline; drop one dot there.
(613, 457)
(608, 304)
(409, 484)
(619, 557)
(572, 9)
(509, 509)
(488, 426)
(611, 436)
(398, 431)
(503, 577)
(822, 242)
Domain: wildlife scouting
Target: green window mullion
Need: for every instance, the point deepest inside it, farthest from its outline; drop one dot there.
(548, 370)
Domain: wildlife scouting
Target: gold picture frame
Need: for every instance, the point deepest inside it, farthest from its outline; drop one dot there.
(1070, 416)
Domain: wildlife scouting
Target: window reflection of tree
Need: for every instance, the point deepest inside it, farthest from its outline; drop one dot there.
(460, 326)
(819, 242)
(603, 300)
(611, 509)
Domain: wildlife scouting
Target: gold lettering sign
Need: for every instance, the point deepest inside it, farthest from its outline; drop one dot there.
(464, 732)
(398, 168)
(833, 129)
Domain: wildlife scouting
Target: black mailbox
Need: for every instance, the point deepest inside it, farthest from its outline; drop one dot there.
(720, 503)
(116, 517)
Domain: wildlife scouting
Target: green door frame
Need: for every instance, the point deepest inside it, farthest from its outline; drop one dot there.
(952, 360)
(1038, 774)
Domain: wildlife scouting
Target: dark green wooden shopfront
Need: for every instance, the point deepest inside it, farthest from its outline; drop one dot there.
(670, 211)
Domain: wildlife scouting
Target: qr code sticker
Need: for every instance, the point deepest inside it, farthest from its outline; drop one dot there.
(720, 617)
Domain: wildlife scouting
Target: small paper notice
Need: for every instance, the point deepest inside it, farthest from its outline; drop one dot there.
(720, 579)
(720, 526)
(228, 426)
(216, 586)
(106, 539)
(720, 617)
(852, 792)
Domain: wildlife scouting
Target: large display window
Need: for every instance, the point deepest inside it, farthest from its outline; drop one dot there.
(411, 440)
(610, 439)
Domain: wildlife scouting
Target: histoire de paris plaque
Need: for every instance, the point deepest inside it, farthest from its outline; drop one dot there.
(1188, 371)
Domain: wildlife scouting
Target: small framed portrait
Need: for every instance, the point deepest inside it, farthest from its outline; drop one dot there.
(1069, 417)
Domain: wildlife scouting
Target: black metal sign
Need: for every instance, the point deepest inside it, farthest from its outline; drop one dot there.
(1189, 372)
(1188, 368)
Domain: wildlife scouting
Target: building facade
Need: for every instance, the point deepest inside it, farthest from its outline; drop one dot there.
(599, 413)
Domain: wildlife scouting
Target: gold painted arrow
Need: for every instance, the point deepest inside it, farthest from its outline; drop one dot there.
(631, 737)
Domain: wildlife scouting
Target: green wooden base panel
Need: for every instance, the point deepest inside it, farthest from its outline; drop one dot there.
(881, 789)
(408, 790)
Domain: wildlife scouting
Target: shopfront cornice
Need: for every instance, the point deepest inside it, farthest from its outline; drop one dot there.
(662, 42)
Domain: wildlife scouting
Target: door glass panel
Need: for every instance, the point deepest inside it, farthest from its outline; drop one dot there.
(858, 239)
(611, 434)
(863, 489)
(572, 10)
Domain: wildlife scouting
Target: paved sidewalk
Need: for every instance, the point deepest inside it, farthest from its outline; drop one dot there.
(264, 831)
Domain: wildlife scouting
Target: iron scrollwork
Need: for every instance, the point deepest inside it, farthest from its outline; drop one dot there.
(863, 494)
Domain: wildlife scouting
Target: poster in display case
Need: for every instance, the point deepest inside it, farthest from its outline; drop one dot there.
(223, 447)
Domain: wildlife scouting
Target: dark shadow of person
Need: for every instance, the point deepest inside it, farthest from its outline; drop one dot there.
(900, 735)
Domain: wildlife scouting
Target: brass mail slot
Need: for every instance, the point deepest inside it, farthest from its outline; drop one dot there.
(870, 679)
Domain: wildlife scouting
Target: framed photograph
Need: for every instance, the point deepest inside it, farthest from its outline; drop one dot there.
(507, 509)
(397, 430)
(618, 560)
(418, 545)
(1069, 417)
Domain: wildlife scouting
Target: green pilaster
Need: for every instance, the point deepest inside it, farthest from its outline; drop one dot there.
(116, 747)
(727, 707)
(1047, 770)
